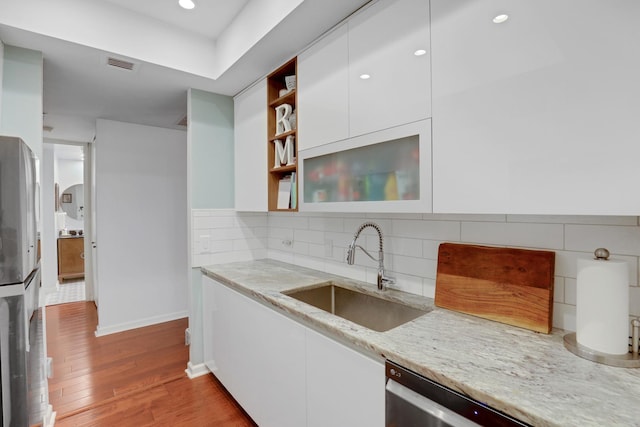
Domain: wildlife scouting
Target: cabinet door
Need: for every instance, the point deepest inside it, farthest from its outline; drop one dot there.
(323, 91)
(531, 115)
(250, 134)
(384, 171)
(258, 354)
(383, 40)
(70, 258)
(344, 387)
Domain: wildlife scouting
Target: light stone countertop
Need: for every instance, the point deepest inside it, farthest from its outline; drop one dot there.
(528, 375)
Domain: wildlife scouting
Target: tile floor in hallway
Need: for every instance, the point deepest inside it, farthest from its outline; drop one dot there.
(67, 292)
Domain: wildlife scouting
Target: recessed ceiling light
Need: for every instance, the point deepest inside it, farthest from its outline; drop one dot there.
(499, 19)
(419, 52)
(186, 4)
(365, 76)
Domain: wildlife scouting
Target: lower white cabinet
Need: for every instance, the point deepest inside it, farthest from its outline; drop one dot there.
(344, 387)
(257, 353)
(283, 373)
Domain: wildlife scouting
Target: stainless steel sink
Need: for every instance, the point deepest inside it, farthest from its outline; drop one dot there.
(368, 310)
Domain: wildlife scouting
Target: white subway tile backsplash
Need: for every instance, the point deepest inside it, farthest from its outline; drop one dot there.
(411, 244)
(326, 224)
(414, 266)
(403, 246)
(220, 246)
(570, 291)
(421, 229)
(301, 248)
(351, 225)
(407, 283)
(281, 233)
(309, 262)
(547, 236)
(248, 244)
(279, 255)
(558, 289)
(317, 251)
(429, 288)
(623, 240)
(634, 301)
(252, 220)
(430, 249)
(309, 236)
(569, 219)
(564, 316)
(288, 220)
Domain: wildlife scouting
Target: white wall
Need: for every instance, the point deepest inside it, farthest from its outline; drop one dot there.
(141, 207)
(22, 96)
(49, 250)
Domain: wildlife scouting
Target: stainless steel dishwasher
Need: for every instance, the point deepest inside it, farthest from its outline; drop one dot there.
(413, 400)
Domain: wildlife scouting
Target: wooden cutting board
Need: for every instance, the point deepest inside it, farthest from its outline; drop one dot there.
(508, 285)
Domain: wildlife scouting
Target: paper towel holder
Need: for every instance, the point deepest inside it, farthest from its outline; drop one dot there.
(628, 360)
(602, 254)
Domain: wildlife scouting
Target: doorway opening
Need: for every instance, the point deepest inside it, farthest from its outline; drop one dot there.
(69, 232)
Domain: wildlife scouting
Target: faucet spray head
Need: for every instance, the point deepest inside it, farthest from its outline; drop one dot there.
(351, 253)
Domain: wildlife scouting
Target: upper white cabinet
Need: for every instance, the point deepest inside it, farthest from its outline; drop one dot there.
(323, 94)
(250, 134)
(336, 99)
(389, 43)
(537, 114)
(384, 171)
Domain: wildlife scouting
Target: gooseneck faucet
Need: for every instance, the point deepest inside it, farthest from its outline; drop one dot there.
(351, 254)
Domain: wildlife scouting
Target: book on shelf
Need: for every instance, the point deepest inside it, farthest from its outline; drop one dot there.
(294, 191)
(284, 192)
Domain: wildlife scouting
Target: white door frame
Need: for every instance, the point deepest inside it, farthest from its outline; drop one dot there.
(90, 276)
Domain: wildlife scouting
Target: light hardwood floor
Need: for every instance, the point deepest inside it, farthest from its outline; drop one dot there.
(134, 378)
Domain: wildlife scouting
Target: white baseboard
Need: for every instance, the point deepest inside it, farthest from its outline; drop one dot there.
(50, 417)
(198, 370)
(121, 327)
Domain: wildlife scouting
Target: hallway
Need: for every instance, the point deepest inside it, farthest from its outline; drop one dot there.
(134, 378)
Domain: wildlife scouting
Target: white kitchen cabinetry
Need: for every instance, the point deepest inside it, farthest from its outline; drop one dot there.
(344, 387)
(323, 96)
(283, 373)
(250, 134)
(538, 114)
(384, 171)
(257, 353)
(383, 40)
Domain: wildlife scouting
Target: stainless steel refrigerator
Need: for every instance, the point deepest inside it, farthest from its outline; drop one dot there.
(18, 270)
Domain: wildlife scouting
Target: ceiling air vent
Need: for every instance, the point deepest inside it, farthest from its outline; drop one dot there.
(119, 63)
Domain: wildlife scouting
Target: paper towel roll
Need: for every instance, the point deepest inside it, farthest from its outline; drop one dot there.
(602, 305)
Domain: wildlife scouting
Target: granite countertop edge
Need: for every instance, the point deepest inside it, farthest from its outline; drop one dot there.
(528, 375)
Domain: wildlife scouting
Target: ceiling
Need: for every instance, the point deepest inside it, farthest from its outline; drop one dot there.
(79, 87)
